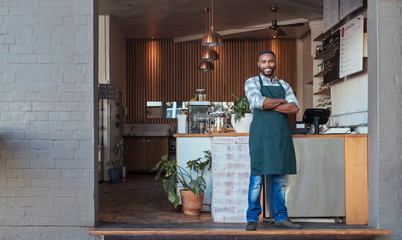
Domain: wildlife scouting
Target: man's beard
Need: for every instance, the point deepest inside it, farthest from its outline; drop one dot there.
(270, 74)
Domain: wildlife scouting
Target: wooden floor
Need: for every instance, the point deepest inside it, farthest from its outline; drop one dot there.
(136, 208)
(139, 199)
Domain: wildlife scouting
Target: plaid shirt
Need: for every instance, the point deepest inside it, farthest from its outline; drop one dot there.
(254, 96)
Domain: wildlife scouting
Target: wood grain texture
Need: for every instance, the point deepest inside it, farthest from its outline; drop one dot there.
(226, 231)
(262, 204)
(356, 185)
(161, 70)
(330, 136)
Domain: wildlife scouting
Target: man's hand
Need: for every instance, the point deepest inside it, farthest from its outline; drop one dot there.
(271, 103)
(286, 108)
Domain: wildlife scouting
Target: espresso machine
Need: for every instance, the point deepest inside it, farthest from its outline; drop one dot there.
(198, 117)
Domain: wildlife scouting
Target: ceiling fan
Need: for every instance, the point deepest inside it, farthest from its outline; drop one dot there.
(277, 29)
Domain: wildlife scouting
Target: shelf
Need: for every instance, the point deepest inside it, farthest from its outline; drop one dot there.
(320, 74)
(319, 56)
(322, 36)
(326, 91)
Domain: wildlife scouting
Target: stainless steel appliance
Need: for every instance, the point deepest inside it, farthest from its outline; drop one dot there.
(198, 117)
(318, 188)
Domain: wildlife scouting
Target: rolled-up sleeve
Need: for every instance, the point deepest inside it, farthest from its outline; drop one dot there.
(289, 94)
(253, 94)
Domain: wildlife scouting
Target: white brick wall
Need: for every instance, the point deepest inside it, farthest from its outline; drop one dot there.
(230, 178)
(46, 119)
(390, 116)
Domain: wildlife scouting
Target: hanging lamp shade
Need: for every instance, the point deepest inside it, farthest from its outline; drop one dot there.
(212, 39)
(206, 66)
(209, 55)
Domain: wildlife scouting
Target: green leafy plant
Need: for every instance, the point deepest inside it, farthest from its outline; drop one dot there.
(241, 107)
(119, 150)
(176, 174)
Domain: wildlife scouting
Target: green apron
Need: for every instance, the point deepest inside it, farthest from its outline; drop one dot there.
(271, 143)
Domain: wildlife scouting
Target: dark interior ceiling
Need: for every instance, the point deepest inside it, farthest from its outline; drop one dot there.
(185, 20)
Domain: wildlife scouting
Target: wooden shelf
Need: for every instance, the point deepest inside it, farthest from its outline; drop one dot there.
(326, 91)
(319, 56)
(320, 74)
(322, 36)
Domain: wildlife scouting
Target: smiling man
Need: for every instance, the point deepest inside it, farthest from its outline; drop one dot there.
(271, 144)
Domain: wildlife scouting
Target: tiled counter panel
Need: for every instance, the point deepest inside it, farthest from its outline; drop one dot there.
(227, 182)
(230, 178)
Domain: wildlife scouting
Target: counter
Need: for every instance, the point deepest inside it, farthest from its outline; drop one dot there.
(228, 181)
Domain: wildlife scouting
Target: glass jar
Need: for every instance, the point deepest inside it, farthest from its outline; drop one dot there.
(217, 122)
(200, 95)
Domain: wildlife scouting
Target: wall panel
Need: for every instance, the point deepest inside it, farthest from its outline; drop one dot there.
(161, 70)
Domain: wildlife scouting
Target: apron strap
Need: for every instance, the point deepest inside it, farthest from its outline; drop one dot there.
(259, 76)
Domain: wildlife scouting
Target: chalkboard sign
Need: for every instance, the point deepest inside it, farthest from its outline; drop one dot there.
(331, 58)
(106, 91)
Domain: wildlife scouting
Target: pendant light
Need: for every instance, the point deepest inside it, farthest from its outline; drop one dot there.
(209, 55)
(206, 66)
(212, 38)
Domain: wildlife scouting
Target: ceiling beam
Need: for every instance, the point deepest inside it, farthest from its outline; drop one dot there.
(240, 30)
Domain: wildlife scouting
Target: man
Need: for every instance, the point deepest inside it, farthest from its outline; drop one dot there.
(271, 144)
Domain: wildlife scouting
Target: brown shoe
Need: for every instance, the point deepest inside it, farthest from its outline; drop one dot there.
(287, 224)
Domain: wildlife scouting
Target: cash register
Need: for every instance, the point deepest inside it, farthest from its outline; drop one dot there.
(316, 116)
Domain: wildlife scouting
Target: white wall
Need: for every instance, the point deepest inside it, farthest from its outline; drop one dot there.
(117, 74)
(47, 114)
(349, 95)
(112, 70)
(304, 74)
(316, 28)
(349, 99)
(385, 114)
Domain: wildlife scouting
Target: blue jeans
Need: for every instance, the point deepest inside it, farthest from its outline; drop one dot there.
(278, 184)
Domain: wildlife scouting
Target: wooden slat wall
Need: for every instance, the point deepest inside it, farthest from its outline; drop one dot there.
(161, 70)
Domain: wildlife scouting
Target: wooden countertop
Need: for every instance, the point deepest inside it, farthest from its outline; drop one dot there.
(226, 134)
(234, 134)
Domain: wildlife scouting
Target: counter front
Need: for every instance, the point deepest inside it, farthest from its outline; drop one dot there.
(331, 179)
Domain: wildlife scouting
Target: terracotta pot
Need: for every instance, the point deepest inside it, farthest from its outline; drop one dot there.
(191, 203)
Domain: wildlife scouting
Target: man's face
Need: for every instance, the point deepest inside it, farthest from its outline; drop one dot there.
(267, 64)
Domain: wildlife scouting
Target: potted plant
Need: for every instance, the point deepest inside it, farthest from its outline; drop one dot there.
(242, 116)
(190, 178)
(115, 165)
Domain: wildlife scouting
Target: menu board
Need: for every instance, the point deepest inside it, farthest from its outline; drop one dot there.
(348, 6)
(351, 47)
(331, 14)
(331, 58)
(106, 91)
